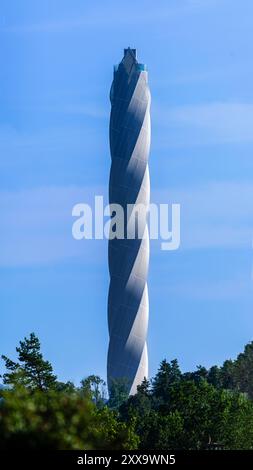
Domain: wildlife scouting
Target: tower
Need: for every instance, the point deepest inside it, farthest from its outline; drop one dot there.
(129, 258)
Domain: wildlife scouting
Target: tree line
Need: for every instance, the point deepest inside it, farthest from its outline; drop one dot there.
(203, 409)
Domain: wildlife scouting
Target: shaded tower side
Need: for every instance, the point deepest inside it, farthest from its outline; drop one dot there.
(129, 258)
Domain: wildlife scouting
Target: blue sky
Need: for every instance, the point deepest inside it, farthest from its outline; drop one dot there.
(56, 71)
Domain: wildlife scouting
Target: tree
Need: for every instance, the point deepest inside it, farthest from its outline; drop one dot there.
(185, 411)
(137, 410)
(118, 392)
(68, 387)
(243, 370)
(166, 432)
(32, 370)
(235, 375)
(198, 375)
(194, 410)
(53, 420)
(94, 387)
(227, 375)
(116, 434)
(168, 373)
(144, 388)
(138, 404)
(214, 377)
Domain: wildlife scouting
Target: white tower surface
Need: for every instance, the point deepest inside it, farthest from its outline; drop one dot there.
(129, 258)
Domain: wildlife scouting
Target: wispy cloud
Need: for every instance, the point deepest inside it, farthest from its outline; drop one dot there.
(221, 122)
(215, 215)
(36, 223)
(236, 287)
(36, 226)
(211, 73)
(68, 154)
(120, 14)
(88, 110)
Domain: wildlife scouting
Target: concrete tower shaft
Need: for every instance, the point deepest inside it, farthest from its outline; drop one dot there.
(129, 258)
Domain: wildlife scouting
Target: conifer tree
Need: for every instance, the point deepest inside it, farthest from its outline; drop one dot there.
(32, 370)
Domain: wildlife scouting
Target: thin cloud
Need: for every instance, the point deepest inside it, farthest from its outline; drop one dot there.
(215, 215)
(144, 12)
(225, 289)
(219, 122)
(36, 224)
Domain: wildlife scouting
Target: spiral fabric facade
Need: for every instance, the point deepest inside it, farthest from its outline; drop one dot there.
(129, 258)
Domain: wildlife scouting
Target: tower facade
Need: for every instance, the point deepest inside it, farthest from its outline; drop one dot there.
(129, 256)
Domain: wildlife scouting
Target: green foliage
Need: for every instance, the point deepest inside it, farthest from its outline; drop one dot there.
(166, 431)
(192, 410)
(118, 392)
(95, 388)
(189, 413)
(168, 374)
(137, 409)
(35, 419)
(198, 375)
(38, 412)
(115, 433)
(32, 370)
(243, 370)
(67, 387)
(235, 375)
